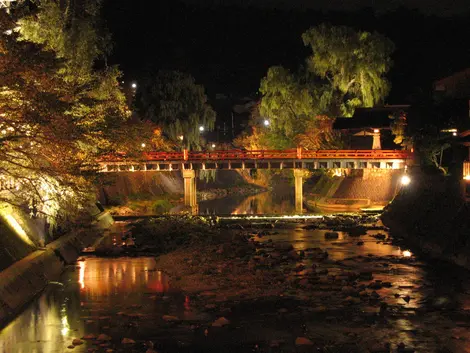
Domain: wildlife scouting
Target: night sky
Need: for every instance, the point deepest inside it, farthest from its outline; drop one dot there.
(436, 7)
(228, 49)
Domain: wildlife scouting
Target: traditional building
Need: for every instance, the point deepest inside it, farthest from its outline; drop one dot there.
(371, 128)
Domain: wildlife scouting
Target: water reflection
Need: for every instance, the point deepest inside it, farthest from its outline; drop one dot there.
(263, 203)
(63, 313)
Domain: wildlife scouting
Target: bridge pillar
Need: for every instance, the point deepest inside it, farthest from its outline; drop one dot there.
(189, 176)
(298, 176)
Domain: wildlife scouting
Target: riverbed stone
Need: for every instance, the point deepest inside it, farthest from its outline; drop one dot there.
(220, 322)
(103, 337)
(126, 340)
(331, 235)
(303, 341)
(77, 342)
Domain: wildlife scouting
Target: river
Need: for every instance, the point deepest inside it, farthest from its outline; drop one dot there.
(130, 298)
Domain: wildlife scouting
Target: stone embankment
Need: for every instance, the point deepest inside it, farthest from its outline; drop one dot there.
(26, 278)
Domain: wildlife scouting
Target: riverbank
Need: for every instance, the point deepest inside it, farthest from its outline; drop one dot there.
(432, 216)
(26, 278)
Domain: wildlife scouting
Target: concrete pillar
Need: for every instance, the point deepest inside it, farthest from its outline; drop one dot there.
(376, 140)
(298, 176)
(190, 200)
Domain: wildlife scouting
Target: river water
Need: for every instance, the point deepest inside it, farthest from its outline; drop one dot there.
(130, 298)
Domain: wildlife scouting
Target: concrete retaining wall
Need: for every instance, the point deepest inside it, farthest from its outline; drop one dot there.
(26, 278)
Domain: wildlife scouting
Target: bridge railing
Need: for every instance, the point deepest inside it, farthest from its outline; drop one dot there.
(291, 154)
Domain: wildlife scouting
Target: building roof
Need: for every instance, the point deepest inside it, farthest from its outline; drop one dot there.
(456, 85)
(369, 118)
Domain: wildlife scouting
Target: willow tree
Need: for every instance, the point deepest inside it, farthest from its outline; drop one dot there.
(291, 102)
(346, 70)
(178, 105)
(353, 63)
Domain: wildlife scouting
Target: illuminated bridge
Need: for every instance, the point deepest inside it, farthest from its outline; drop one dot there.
(262, 159)
(296, 159)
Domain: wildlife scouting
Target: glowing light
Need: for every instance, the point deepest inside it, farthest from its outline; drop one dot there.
(467, 177)
(201, 128)
(454, 134)
(65, 325)
(4, 132)
(181, 137)
(18, 229)
(407, 253)
(81, 275)
(213, 145)
(405, 180)
(276, 217)
(376, 131)
(134, 85)
(266, 122)
(143, 145)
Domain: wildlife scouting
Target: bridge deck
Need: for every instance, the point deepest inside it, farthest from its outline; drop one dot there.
(264, 159)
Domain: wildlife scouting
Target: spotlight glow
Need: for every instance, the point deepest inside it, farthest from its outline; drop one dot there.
(407, 253)
(405, 180)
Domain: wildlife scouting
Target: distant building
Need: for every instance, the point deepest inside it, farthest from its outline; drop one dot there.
(452, 98)
(370, 128)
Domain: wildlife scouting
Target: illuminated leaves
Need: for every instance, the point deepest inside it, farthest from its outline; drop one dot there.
(353, 63)
(346, 70)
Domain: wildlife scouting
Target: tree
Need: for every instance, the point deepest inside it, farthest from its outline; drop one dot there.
(291, 102)
(354, 64)
(346, 70)
(178, 105)
(70, 29)
(55, 122)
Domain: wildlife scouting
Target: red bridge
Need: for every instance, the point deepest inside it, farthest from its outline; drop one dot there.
(296, 159)
(262, 159)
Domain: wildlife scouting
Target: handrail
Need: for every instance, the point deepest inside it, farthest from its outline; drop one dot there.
(291, 154)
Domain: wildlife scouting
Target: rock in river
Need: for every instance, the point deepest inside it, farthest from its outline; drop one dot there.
(331, 235)
(303, 341)
(77, 342)
(220, 322)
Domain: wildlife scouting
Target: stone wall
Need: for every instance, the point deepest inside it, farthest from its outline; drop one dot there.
(26, 278)
(377, 185)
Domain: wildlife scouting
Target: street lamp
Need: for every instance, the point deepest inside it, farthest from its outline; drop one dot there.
(266, 122)
(201, 128)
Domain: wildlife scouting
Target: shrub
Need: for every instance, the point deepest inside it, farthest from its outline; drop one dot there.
(161, 206)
